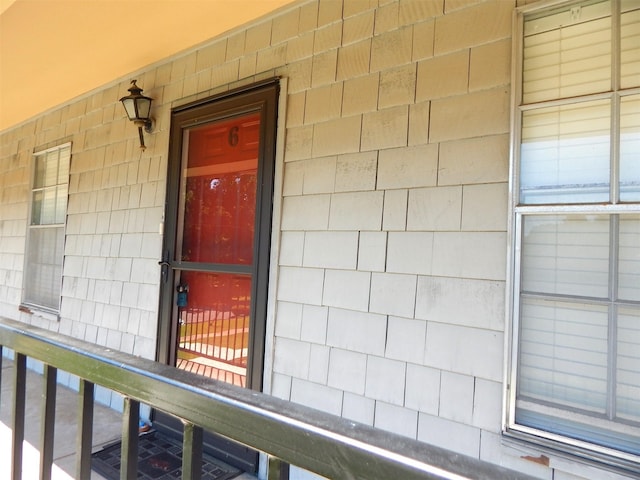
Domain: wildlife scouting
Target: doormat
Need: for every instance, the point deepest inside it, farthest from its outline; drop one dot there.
(159, 458)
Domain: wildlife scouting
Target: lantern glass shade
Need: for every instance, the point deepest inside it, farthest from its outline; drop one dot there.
(130, 107)
(143, 105)
(137, 106)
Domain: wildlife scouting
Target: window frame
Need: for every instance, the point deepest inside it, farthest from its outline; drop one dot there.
(512, 431)
(27, 305)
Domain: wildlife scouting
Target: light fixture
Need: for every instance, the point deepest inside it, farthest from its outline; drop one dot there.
(138, 108)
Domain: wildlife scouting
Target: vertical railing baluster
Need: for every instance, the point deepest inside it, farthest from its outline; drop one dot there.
(1, 355)
(19, 397)
(48, 421)
(130, 432)
(192, 452)
(85, 429)
(1, 369)
(277, 469)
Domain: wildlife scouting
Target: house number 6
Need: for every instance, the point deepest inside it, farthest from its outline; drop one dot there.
(233, 136)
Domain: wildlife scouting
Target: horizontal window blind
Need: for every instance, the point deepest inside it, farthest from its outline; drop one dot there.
(565, 154)
(629, 259)
(570, 358)
(44, 266)
(567, 54)
(564, 354)
(630, 146)
(577, 267)
(629, 41)
(627, 374)
(51, 168)
(49, 205)
(45, 245)
(566, 255)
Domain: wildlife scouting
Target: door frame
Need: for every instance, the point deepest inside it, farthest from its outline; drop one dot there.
(263, 97)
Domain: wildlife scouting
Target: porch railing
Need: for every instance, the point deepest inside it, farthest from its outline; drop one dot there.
(287, 433)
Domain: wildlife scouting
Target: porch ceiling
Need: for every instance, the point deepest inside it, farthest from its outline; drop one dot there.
(54, 50)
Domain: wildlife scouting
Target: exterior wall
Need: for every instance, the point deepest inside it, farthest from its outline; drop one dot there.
(390, 291)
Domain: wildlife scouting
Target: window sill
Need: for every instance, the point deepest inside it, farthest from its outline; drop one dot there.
(51, 315)
(548, 448)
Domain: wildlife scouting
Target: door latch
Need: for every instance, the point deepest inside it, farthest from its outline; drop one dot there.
(164, 266)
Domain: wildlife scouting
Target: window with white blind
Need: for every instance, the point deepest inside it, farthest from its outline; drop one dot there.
(575, 368)
(45, 235)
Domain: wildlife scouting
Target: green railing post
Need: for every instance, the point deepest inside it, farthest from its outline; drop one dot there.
(129, 446)
(192, 452)
(19, 408)
(48, 421)
(277, 469)
(85, 429)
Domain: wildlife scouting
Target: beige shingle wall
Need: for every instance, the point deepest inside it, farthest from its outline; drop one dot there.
(418, 110)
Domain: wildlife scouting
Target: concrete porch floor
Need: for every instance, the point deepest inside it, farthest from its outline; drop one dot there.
(107, 426)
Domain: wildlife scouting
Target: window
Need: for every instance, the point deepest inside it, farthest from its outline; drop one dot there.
(575, 369)
(45, 236)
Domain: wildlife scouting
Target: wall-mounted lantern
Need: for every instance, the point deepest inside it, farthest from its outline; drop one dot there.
(138, 108)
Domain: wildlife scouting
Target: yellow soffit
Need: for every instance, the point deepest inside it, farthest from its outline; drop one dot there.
(54, 50)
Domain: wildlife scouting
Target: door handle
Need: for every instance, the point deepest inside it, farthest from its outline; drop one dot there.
(164, 266)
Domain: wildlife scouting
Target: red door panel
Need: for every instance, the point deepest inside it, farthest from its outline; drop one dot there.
(218, 229)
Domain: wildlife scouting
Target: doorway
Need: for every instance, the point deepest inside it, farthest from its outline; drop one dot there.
(216, 246)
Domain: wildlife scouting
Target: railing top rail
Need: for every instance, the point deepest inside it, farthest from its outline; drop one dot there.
(322, 443)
